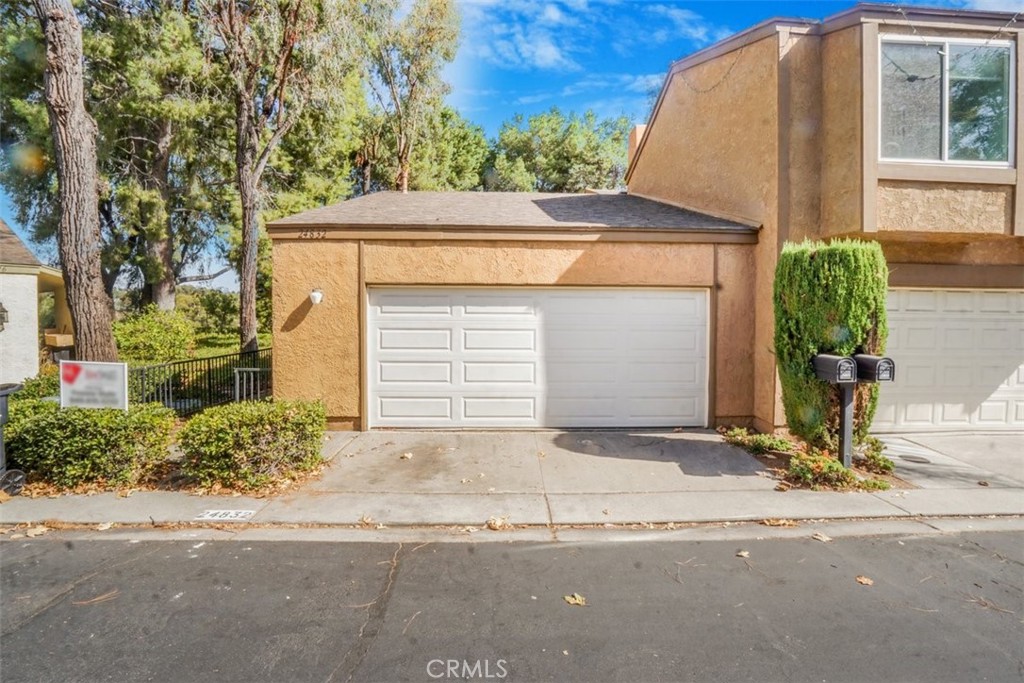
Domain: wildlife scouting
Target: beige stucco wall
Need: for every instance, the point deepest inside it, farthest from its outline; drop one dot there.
(318, 349)
(715, 148)
(842, 134)
(944, 207)
(800, 101)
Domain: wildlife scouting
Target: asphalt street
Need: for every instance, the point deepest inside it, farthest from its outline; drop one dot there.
(936, 607)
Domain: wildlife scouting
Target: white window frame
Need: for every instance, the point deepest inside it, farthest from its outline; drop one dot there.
(944, 43)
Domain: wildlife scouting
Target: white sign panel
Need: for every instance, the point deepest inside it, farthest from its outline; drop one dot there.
(86, 384)
(226, 515)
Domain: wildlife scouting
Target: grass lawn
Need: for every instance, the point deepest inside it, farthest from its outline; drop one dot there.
(219, 344)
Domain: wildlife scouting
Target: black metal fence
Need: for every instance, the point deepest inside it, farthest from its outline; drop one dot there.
(188, 386)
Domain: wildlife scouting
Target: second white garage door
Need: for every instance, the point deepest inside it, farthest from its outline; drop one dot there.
(491, 358)
(959, 361)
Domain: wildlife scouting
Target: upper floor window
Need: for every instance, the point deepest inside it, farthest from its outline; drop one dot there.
(947, 100)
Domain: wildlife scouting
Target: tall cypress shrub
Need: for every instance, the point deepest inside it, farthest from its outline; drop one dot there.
(829, 298)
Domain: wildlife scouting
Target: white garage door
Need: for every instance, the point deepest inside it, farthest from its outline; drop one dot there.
(486, 358)
(959, 361)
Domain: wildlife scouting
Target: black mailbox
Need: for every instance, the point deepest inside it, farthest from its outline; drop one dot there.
(835, 369)
(874, 368)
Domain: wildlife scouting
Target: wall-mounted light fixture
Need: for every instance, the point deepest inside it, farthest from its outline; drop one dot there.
(316, 296)
(3, 317)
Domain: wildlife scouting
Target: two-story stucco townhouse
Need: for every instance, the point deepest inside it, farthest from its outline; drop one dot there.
(653, 307)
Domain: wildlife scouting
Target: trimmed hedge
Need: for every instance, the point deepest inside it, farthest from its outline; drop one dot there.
(46, 383)
(73, 446)
(253, 444)
(829, 298)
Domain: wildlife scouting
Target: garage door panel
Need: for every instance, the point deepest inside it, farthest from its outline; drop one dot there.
(401, 372)
(959, 358)
(404, 305)
(499, 373)
(499, 339)
(536, 358)
(413, 407)
(415, 338)
(475, 407)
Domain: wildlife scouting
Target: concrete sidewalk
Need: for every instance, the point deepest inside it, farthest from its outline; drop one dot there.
(568, 479)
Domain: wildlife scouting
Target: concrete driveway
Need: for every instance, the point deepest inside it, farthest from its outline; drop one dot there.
(949, 461)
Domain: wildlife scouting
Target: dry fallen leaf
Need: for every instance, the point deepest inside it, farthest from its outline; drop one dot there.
(36, 531)
(575, 599)
(405, 456)
(743, 553)
(15, 537)
(367, 520)
(982, 483)
(104, 526)
(465, 481)
(818, 536)
(4, 497)
(606, 511)
(779, 522)
(498, 523)
(783, 486)
(863, 580)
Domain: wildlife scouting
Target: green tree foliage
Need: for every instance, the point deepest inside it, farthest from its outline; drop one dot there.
(829, 298)
(155, 336)
(281, 59)
(212, 311)
(405, 47)
(451, 156)
(552, 152)
(160, 143)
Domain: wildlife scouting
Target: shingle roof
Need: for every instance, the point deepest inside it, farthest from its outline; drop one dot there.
(13, 251)
(523, 210)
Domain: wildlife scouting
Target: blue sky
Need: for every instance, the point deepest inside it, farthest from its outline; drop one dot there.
(525, 56)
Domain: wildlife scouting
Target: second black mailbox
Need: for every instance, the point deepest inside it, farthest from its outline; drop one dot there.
(874, 368)
(835, 369)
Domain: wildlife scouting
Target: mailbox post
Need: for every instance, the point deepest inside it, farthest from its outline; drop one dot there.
(841, 371)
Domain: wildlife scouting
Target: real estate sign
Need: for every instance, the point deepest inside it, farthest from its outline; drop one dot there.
(93, 385)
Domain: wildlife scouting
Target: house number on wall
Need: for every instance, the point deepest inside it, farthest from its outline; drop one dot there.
(312, 234)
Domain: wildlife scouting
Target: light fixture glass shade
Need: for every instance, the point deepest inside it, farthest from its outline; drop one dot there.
(316, 296)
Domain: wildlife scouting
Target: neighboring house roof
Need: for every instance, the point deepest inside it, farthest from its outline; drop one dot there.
(506, 210)
(13, 251)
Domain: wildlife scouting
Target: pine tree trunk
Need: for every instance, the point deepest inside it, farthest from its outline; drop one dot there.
(248, 191)
(160, 249)
(74, 143)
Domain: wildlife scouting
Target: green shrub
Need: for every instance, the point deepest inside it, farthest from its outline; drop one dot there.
(817, 470)
(72, 446)
(871, 458)
(213, 311)
(154, 336)
(757, 443)
(253, 444)
(829, 298)
(46, 383)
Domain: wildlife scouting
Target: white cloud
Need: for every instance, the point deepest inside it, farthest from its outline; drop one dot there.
(997, 5)
(674, 23)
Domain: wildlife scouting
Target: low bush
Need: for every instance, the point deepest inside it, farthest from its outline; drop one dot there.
(253, 444)
(757, 444)
(871, 459)
(154, 336)
(820, 470)
(46, 383)
(72, 446)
